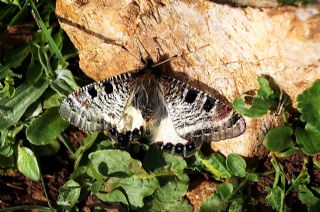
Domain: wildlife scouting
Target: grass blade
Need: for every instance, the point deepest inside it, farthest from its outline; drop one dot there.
(51, 42)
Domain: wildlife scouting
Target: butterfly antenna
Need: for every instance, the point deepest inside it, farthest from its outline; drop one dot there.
(130, 53)
(139, 43)
(165, 61)
(175, 56)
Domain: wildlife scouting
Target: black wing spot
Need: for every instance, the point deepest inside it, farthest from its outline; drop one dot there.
(190, 146)
(113, 131)
(168, 146)
(235, 117)
(178, 148)
(122, 138)
(108, 88)
(191, 95)
(92, 91)
(208, 105)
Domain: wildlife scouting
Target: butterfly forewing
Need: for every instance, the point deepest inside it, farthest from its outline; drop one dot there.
(197, 116)
(99, 106)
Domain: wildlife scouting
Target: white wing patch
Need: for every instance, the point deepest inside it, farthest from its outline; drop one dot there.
(131, 119)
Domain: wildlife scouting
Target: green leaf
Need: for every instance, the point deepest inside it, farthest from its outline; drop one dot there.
(218, 201)
(21, 15)
(214, 166)
(309, 140)
(33, 110)
(224, 190)
(124, 172)
(258, 108)
(288, 152)
(6, 150)
(264, 91)
(179, 205)
(34, 72)
(25, 95)
(236, 165)
(172, 189)
(307, 197)
(158, 161)
(7, 73)
(212, 204)
(253, 177)
(278, 139)
(27, 163)
(7, 157)
(15, 57)
(275, 198)
(69, 194)
(169, 170)
(48, 149)
(58, 39)
(64, 83)
(87, 143)
(303, 178)
(53, 101)
(136, 187)
(261, 102)
(15, 2)
(44, 129)
(109, 162)
(113, 196)
(308, 105)
(237, 205)
(7, 89)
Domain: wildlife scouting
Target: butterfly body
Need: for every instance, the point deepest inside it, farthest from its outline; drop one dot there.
(175, 116)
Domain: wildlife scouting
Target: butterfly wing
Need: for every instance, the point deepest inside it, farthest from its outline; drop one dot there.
(197, 116)
(99, 106)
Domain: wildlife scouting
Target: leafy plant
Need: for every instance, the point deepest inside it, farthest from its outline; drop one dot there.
(35, 77)
(308, 104)
(32, 76)
(282, 142)
(261, 103)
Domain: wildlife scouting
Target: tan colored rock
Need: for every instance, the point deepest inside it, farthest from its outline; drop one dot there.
(229, 46)
(199, 190)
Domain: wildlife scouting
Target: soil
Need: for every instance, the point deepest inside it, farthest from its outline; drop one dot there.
(292, 166)
(17, 190)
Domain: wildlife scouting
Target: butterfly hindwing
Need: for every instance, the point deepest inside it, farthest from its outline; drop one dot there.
(197, 116)
(99, 106)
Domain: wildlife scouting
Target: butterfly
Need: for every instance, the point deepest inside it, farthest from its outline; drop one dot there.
(167, 112)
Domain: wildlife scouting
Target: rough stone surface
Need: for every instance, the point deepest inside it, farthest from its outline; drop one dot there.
(219, 47)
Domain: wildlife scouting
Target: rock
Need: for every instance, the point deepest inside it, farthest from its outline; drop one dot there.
(218, 46)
